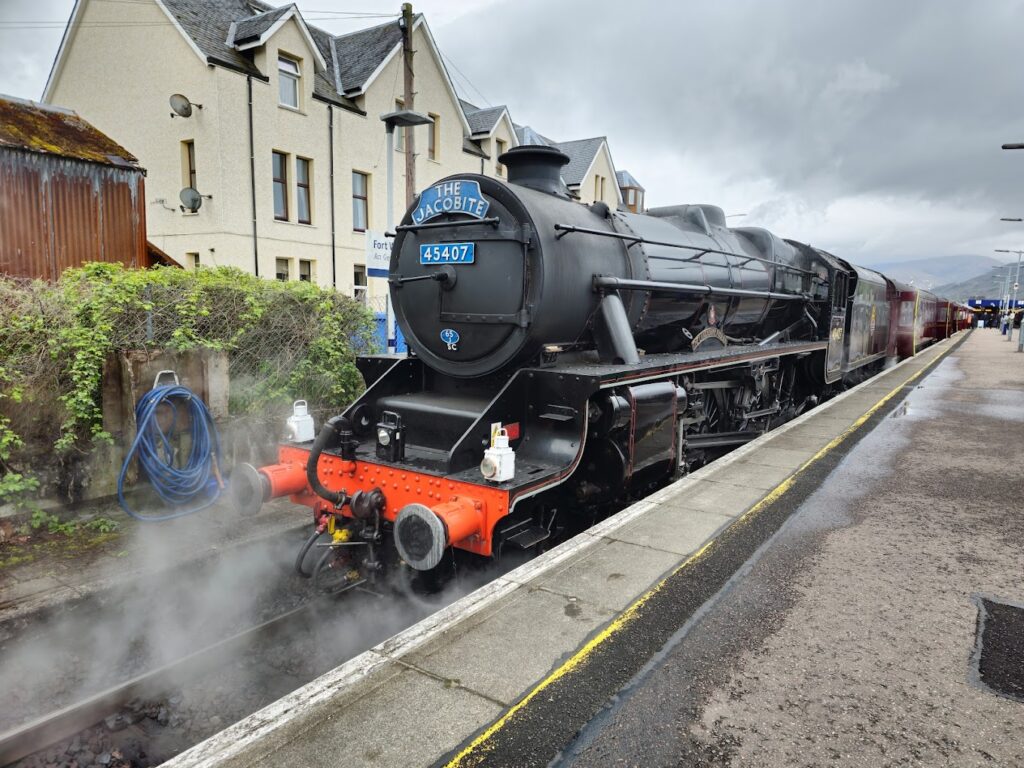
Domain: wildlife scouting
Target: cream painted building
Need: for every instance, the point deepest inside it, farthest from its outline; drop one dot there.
(284, 141)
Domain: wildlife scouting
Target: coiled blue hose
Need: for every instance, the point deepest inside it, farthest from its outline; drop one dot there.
(154, 447)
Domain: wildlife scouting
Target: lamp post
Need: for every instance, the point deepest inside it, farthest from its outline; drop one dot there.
(1016, 284)
(1001, 279)
(402, 118)
(1020, 336)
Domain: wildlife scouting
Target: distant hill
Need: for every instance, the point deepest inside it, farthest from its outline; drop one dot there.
(940, 271)
(978, 287)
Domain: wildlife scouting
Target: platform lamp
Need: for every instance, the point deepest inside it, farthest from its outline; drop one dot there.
(402, 118)
(1002, 280)
(1020, 336)
(1016, 285)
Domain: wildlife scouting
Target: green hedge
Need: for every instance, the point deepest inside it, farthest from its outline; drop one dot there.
(283, 340)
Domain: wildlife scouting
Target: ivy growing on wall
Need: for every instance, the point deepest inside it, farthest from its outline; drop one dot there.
(282, 341)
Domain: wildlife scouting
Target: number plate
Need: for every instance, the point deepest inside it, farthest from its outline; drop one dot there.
(448, 253)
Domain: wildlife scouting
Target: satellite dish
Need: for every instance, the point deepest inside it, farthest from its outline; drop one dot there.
(182, 106)
(191, 199)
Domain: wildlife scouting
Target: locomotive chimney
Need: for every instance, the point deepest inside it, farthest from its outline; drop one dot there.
(536, 167)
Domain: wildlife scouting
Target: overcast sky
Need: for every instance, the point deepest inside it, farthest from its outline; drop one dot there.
(868, 127)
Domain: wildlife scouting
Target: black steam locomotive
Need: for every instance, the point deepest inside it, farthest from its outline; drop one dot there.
(567, 358)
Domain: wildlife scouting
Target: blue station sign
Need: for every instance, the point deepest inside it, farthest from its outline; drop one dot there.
(451, 197)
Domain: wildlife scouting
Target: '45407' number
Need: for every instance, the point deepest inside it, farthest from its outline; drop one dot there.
(448, 253)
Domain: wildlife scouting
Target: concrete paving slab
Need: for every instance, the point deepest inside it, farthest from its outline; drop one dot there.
(801, 441)
(610, 575)
(535, 627)
(787, 458)
(747, 474)
(678, 530)
(412, 720)
(827, 428)
(715, 497)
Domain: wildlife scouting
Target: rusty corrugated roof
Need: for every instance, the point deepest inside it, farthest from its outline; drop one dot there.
(34, 127)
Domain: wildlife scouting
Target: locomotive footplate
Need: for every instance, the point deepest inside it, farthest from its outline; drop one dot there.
(666, 364)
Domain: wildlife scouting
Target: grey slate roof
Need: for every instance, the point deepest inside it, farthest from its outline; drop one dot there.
(526, 135)
(481, 120)
(209, 22)
(362, 52)
(581, 154)
(250, 29)
(626, 179)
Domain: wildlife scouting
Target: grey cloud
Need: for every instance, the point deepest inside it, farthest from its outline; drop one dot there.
(791, 108)
(824, 99)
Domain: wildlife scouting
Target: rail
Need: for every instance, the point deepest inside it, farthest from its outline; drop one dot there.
(30, 737)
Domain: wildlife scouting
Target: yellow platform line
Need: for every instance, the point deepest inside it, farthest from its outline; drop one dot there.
(478, 747)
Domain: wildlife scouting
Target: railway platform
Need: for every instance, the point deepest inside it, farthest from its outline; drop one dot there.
(811, 598)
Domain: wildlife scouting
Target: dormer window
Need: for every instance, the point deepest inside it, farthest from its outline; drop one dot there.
(288, 75)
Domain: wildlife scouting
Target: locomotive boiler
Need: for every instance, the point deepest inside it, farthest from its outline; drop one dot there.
(565, 359)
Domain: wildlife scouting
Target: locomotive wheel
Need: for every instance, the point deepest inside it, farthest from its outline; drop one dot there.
(334, 573)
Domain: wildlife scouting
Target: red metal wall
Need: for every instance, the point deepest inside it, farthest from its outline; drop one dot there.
(57, 213)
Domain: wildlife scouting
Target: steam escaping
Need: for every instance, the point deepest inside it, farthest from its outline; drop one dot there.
(176, 608)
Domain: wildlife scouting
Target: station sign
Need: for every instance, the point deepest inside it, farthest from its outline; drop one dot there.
(378, 254)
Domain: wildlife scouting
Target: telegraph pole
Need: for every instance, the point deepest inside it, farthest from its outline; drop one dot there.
(407, 103)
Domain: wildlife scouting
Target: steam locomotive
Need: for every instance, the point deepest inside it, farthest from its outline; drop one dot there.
(565, 360)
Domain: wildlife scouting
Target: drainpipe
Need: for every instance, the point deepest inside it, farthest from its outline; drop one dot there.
(252, 179)
(330, 165)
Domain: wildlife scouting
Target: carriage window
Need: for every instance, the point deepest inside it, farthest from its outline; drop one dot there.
(906, 313)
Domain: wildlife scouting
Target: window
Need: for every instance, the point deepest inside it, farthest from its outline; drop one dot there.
(283, 269)
(303, 201)
(188, 164)
(192, 260)
(498, 167)
(305, 271)
(360, 205)
(631, 196)
(288, 82)
(280, 186)
(399, 132)
(432, 136)
(601, 196)
(598, 186)
(359, 283)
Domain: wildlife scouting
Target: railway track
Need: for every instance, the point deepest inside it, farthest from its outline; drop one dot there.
(40, 733)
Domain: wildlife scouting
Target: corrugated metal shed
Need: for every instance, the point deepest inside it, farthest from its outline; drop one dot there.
(68, 194)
